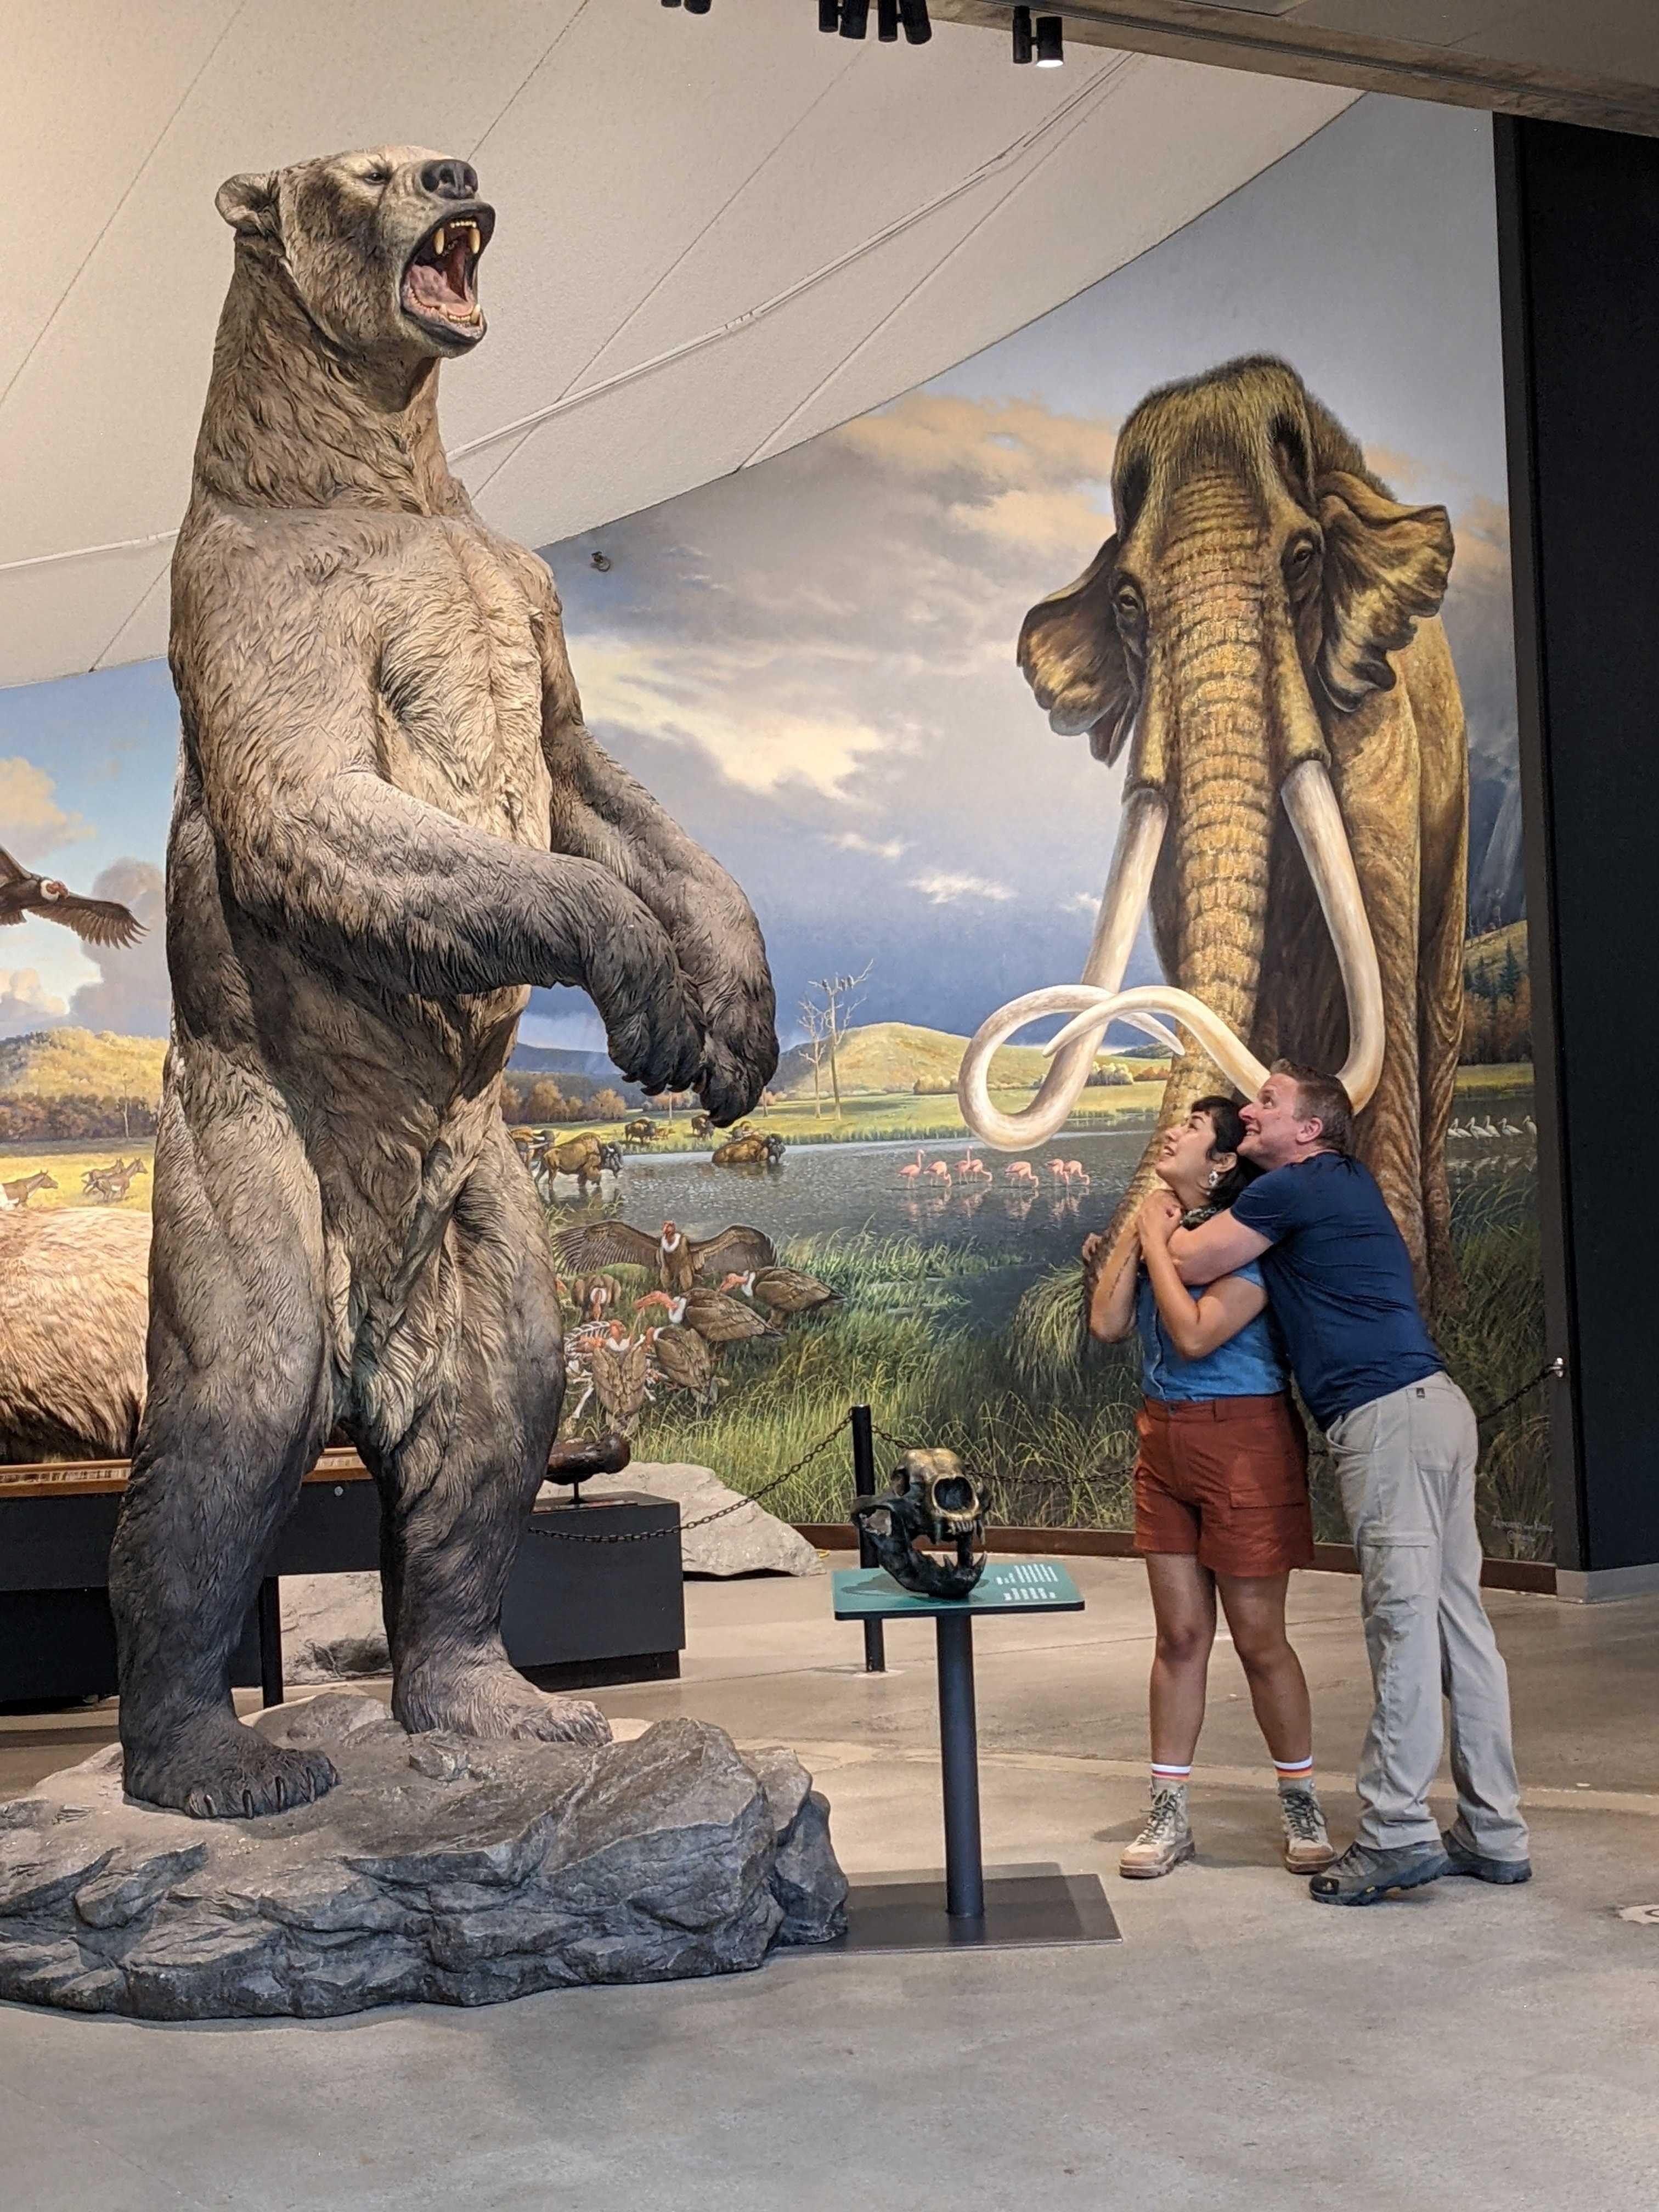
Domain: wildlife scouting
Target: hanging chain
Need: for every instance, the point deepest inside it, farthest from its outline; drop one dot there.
(704, 1520)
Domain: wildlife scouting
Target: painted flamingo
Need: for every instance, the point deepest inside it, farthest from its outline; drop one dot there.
(1057, 1168)
(913, 1171)
(940, 1171)
(1022, 1171)
(973, 1171)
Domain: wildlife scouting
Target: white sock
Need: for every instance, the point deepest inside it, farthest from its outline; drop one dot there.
(1166, 1777)
(1297, 1775)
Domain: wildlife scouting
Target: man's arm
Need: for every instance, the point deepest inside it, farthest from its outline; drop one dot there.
(1218, 1246)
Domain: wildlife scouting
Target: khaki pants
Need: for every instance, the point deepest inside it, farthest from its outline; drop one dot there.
(1406, 1464)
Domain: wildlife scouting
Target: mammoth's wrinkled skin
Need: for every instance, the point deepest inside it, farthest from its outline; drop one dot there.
(390, 822)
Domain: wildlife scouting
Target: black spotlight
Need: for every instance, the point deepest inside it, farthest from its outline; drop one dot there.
(1050, 38)
(887, 21)
(913, 14)
(855, 18)
(829, 15)
(697, 7)
(1022, 34)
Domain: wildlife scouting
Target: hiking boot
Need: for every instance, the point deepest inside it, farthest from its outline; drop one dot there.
(1466, 1861)
(1164, 1841)
(1365, 1876)
(1308, 1845)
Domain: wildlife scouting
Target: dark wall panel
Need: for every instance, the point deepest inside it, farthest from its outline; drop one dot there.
(1578, 222)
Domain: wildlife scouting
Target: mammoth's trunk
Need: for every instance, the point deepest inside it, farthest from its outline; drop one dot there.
(1209, 735)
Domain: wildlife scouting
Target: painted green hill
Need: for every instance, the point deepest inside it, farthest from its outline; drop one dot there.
(889, 1056)
(72, 1063)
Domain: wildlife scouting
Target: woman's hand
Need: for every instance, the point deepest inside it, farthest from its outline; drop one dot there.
(1159, 1216)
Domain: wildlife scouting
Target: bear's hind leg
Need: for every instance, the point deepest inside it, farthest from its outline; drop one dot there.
(457, 1489)
(240, 1403)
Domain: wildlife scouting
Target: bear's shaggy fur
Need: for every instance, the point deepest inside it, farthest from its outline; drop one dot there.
(389, 822)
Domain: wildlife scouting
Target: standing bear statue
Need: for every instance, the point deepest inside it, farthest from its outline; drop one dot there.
(390, 823)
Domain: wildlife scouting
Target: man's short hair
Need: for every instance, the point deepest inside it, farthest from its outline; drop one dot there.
(1323, 1099)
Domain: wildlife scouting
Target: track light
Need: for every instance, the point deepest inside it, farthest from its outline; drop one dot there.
(1050, 38)
(697, 7)
(1022, 34)
(852, 19)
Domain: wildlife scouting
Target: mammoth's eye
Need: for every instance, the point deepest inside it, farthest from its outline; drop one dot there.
(1126, 598)
(1299, 558)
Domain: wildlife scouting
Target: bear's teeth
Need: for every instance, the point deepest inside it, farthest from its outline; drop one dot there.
(438, 239)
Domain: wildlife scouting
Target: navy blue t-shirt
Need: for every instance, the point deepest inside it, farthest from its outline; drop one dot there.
(1339, 1279)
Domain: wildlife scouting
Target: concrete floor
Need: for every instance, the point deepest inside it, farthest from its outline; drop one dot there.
(1480, 2048)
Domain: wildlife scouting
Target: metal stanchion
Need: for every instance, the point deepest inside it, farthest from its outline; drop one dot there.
(864, 1482)
(958, 1736)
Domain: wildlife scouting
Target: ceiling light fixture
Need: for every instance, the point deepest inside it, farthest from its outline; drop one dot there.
(1050, 38)
(1022, 35)
(855, 18)
(913, 14)
(887, 22)
(829, 15)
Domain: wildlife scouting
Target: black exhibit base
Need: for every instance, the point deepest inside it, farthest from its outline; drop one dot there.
(1026, 1908)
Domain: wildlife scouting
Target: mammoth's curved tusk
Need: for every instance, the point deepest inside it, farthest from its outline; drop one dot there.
(1317, 820)
(1122, 903)
(1235, 1059)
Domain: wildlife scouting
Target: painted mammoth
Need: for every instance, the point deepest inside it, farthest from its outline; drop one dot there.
(1259, 631)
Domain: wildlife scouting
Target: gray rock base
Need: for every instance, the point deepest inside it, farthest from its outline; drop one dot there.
(438, 1869)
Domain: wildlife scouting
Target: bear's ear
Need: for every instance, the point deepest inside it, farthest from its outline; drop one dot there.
(1072, 655)
(1385, 569)
(249, 204)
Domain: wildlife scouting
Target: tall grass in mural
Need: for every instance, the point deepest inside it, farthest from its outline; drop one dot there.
(1042, 1416)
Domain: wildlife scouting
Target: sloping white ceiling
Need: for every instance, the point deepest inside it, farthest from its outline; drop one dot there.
(717, 236)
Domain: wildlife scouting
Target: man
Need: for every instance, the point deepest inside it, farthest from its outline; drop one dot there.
(1403, 1437)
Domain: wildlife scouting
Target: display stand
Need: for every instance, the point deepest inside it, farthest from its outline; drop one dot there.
(1017, 1906)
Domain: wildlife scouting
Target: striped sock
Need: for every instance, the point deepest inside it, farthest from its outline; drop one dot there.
(1295, 1773)
(1166, 1776)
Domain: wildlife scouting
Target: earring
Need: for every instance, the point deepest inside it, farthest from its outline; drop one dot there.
(1215, 1177)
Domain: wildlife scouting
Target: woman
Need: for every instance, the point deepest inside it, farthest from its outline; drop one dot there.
(1221, 1488)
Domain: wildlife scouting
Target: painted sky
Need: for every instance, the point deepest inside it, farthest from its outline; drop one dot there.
(812, 662)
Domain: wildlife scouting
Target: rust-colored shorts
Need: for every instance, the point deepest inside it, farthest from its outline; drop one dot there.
(1225, 1479)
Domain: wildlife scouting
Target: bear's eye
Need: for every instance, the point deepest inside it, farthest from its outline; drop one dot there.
(380, 173)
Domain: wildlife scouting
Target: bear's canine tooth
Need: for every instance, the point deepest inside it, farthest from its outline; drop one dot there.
(438, 238)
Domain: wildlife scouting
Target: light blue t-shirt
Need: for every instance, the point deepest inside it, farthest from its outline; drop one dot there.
(1249, 1365)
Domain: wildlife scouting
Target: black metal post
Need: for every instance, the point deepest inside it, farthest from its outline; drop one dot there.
(958, 1742)
(864, 1482)
(268, 1611)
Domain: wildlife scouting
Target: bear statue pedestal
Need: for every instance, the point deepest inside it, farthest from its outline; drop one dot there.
(438, 1869)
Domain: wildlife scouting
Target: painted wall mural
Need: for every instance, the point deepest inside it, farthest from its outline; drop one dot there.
(860, 675)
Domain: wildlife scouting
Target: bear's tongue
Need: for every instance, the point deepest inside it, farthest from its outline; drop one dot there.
(440, 279)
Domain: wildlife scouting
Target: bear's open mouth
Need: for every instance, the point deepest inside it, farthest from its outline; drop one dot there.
(437, 279)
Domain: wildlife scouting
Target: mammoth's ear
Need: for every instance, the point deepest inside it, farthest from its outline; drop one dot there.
(1385, 569)
(249, 204)
(1071, 656)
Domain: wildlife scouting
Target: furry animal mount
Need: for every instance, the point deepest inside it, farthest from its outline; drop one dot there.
(389, 824)
(1261, 635)
(98, 921)
(447, 1869)
(680, 1261)
(74, 1305)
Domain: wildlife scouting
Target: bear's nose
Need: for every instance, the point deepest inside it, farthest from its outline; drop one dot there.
(450, 181)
